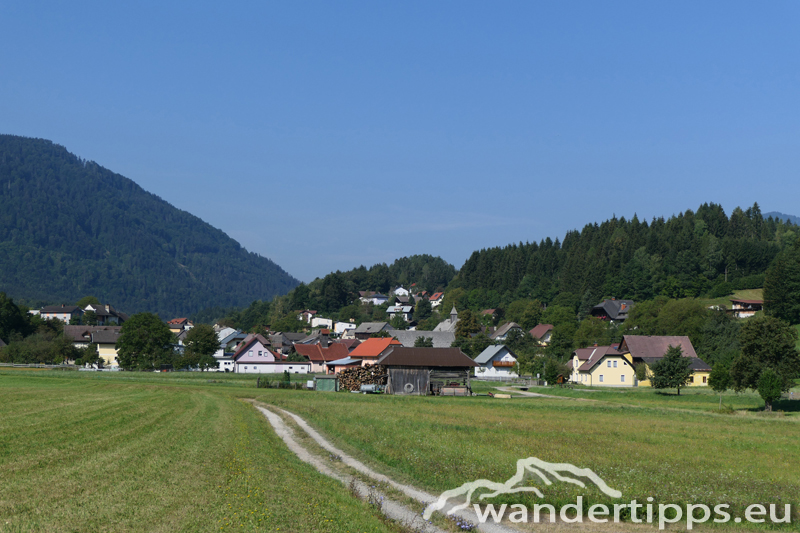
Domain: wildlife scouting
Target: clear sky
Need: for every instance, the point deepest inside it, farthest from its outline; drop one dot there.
(325, 135)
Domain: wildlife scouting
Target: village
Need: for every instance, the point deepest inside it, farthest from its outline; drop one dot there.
(329, 348)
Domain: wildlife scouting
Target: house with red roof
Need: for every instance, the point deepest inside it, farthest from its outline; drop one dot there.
(319, 356)
(370, 350)
(436, 299)
(254, 357)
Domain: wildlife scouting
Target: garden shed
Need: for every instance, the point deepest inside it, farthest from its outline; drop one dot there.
(423, 371)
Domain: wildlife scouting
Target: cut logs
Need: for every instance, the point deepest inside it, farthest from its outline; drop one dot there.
(353, 378)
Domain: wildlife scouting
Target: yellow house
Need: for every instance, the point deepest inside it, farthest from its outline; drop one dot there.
(106, 341)
(602, 366)
(105, 337)
(648, 349)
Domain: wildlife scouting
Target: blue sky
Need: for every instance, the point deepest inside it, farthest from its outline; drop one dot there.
(325, 135)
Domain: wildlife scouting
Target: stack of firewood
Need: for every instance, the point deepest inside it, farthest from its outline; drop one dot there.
(353, 378)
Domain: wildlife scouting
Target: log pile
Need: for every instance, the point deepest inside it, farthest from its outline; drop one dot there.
(353, 378)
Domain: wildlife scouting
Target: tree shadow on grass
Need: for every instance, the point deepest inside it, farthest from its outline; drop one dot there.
(787, 406)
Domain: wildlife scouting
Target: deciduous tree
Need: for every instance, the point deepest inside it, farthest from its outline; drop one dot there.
(145, 342)
(766, 342)
(672, 371)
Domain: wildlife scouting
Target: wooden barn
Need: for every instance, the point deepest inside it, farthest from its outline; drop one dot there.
(423, 371)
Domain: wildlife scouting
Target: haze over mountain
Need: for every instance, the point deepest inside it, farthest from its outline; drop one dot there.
(71, 228)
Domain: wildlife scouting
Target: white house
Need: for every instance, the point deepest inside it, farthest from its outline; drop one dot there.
(227, 336)
(436, 299)
(402, 310)
(400, 291)
(339, 328)
(372, 297)
(254, 357)
(496, 361)
(319, 322)
(62, 312)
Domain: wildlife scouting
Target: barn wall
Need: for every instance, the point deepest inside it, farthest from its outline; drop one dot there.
(399, 377)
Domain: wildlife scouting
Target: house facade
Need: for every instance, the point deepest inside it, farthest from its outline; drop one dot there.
(496, 361)
(255, 357)
(62, 312)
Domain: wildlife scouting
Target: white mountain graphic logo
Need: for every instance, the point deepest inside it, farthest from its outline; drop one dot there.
(532, 465)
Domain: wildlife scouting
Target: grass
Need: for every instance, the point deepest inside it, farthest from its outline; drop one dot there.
(182, 452)
(104, 452)
(745, 294)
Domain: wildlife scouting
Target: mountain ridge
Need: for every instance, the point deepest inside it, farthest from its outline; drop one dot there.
(70, 228)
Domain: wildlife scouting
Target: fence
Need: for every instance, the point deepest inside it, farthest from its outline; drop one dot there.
(39, 365)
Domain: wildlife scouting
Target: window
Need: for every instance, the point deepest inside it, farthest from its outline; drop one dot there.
(259, 353)
(245, 368)
(622, 378)
(608, 364)
(251, 352)
(615, 364)
(601, 378)
(705, 379)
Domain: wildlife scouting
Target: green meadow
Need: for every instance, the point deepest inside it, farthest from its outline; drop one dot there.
(187, 452)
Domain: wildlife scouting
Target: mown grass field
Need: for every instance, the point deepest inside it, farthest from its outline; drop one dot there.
(183, 452)
(133, 452)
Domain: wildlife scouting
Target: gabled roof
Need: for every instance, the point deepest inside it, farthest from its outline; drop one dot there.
(436, 295)
(107, 336)
(696, 365)
(373, 347)
(596, 355)
(655, 346)
(373, 327)
(249, 341)
(84, 333)
(178, 321)
(349, 343)
(541, 330)
(613, 309)
(504, 329)
(441, 339)
(491, 352)
(318, 354)
(488, 311)
(399, 309)
(426, 357)
(748, 302)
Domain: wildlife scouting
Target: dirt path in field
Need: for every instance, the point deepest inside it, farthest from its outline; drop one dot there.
(540, 395)
(393, 509)
(403, 512)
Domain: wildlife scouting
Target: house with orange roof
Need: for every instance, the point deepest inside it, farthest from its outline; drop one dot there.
(370, 350)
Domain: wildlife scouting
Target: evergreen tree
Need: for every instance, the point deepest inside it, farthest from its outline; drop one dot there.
(782, 286)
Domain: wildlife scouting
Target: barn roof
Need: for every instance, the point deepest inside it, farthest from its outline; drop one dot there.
(426, 357)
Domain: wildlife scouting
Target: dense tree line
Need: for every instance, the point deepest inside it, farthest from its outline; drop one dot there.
(32, 340)
(70, 227)
(703, 253)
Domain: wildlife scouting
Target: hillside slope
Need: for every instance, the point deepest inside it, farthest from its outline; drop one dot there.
(71, 228)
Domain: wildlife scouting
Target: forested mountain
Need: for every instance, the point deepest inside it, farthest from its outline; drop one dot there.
(71, 228)
(691, 254)
(783, 216)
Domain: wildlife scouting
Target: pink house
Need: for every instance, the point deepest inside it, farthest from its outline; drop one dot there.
(254, 357)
